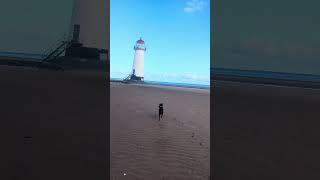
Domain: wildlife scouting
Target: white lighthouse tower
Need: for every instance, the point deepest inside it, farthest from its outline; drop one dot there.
(138, 62)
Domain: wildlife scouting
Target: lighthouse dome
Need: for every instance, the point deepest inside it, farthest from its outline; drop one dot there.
(140, 41)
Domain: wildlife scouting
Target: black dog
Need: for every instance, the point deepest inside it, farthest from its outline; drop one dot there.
(160, 111)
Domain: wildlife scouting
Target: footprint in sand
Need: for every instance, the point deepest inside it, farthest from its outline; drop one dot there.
(175, 119)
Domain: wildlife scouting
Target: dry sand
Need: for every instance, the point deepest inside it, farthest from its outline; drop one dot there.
(53, 124)
(265, 132)
(177, 147)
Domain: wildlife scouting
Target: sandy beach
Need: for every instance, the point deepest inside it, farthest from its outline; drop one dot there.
(53, 124)
(177, 147)
(265, 131)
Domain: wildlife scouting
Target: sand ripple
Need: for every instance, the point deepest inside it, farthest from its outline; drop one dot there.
(144, 148)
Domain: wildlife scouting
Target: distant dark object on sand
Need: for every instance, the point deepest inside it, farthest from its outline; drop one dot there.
(160, 111)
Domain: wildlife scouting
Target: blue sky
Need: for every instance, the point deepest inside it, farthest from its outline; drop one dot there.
(176, 33)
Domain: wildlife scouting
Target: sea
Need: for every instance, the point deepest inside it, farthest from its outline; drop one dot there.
(262, 77)
(265, 74)
(26, 56)
(175, 84)
(298, 77)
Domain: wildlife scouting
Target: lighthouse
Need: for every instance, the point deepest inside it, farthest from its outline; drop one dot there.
(88, 30)
(138, 62)
(89, 23)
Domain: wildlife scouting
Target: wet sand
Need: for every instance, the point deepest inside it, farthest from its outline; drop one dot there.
(53, 124)
(177, 147)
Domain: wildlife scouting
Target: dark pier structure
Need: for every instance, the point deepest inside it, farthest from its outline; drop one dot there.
(76, 49)
(77, 56)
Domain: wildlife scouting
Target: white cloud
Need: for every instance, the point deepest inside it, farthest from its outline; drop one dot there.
(182, 78)
(194, 6)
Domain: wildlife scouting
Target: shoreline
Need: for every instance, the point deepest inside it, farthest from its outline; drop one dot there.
(167, 84)
(266, 77)
(164, 86)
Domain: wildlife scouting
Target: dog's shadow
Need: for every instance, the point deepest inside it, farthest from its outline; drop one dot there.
(153, 115)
